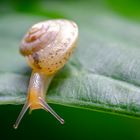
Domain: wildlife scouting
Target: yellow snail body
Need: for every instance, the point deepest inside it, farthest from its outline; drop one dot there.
(47, 47)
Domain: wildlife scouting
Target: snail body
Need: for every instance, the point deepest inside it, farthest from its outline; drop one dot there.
(47, 46)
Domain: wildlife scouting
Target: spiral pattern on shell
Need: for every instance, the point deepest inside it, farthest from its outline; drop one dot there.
(48, 44)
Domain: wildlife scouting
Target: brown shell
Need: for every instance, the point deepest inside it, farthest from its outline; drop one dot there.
(49, 44)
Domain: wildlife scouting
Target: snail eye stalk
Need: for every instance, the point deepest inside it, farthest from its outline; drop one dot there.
(49, 109)
(23, 111)
(45, 107)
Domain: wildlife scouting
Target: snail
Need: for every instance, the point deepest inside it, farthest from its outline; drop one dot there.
(47, 47)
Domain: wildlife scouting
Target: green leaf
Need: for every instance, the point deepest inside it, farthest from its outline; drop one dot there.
(103, 73)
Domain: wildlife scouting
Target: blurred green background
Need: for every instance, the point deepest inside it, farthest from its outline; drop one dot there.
(80, 124)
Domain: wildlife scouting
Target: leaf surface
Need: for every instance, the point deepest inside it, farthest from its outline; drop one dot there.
(103, 73)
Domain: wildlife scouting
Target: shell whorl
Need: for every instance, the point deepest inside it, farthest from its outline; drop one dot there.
(39, 36)
(48, 44)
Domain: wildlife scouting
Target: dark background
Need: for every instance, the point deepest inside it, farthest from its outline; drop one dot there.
(80, 124)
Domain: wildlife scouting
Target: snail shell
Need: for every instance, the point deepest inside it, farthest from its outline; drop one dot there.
(49, 44)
